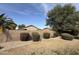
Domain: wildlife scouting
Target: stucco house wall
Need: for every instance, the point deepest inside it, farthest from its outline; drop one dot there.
(31, 27)
(14, 35)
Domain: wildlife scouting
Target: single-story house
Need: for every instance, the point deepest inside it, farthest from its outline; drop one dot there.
(31, 27)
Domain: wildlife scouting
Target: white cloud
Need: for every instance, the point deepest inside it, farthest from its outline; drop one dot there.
(45, 7)
(27, 12)
(15, 11)
(20, 12)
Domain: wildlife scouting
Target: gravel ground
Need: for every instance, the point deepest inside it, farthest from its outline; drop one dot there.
(50, 46)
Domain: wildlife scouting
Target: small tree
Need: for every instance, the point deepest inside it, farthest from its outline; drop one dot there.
(10, 24)
(22, 26)
(5, 24)
(64, 19)
(2, 20)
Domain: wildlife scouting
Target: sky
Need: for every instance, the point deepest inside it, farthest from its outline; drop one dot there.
(28, 13)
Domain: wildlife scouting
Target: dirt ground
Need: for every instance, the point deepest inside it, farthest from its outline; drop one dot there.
(52, 46)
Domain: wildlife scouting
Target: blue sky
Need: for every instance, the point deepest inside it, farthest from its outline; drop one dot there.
(28, 13)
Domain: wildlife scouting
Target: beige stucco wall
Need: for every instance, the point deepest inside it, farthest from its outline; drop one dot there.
(14, 35)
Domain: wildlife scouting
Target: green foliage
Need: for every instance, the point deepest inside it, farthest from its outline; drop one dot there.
(7, 23)
(10, 24)
(36, 36)
(22, 26)
(67, 36)
(25, 37)
(46, 35)
(76, 37)
(64, 19)
(2, 19)
(55, 35)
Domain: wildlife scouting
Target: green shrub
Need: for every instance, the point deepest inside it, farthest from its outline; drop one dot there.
(55, 35)
(46, 35)
(25, 37)
(35, 36)
(76, 37)
(67, 36)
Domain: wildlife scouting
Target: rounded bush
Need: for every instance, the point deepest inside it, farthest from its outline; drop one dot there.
(55, 35)
(67, 36)
(25, 37)
(77, 37)
(36, 36)
(46, 35)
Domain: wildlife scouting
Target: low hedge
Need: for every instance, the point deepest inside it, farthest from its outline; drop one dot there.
(67, 36)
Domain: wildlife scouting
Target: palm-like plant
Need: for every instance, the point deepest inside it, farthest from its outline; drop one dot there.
(2, 21)
(9, 24)
(6, 23)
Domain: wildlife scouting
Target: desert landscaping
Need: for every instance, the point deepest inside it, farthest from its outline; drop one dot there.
(53, 46)
(58, 36)
(49, 46)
